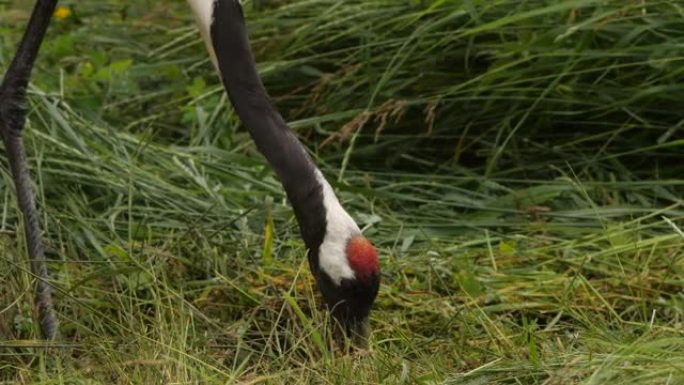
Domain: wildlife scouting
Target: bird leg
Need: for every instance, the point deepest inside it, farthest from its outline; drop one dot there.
(12, 117)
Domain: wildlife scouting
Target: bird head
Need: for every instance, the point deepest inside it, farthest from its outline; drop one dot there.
(348, 271)
(350, 298)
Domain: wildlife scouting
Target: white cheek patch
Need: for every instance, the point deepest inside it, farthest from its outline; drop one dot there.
(204, 16)
(332, 255)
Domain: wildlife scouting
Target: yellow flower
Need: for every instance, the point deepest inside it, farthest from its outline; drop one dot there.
(62, 12)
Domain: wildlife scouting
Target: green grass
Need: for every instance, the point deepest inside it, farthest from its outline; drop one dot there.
(516, 163)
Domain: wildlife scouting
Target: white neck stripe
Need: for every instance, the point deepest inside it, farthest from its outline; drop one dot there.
(332, 254)
(204, 16)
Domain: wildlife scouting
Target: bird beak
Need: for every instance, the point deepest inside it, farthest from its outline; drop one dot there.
(359, 332)
(353, 334)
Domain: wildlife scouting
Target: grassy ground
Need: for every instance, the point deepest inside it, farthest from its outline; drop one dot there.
(517, 163)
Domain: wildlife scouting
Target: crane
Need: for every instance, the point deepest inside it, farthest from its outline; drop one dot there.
(343, 261)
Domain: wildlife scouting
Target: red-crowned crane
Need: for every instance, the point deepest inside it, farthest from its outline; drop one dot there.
(344, 263)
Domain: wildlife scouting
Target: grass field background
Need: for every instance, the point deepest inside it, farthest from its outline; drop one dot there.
(518, 165)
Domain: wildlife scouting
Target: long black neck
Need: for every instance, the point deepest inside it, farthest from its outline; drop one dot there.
(273, 137)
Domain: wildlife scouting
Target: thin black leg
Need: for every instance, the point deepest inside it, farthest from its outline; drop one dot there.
(12, 117)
